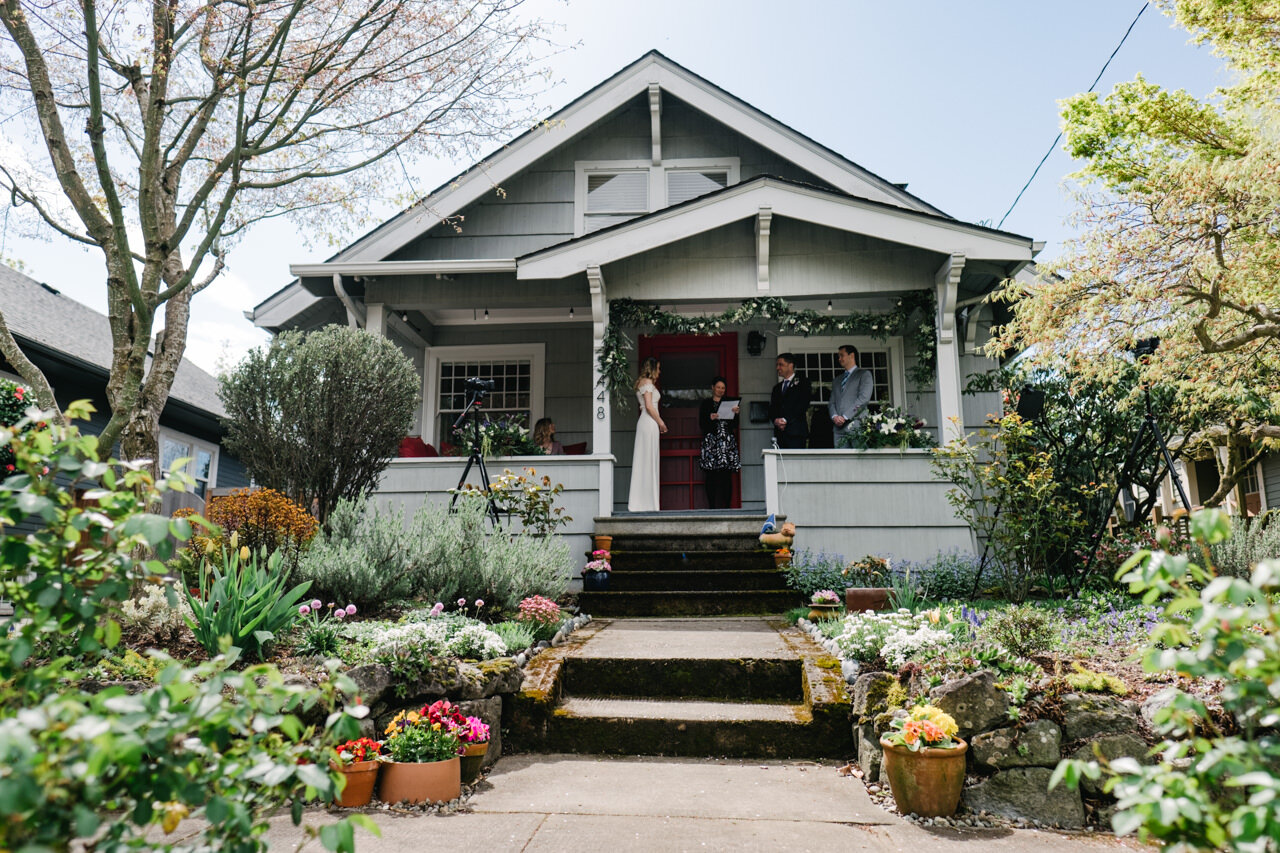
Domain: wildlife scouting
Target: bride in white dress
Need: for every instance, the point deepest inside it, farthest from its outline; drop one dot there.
(644, 459)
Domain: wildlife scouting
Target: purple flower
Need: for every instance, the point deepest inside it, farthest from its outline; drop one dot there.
(340, 613)
(315, 604)
(351, 610)
(462, 602)
(479, 602)
(304, 610)
(438, 609)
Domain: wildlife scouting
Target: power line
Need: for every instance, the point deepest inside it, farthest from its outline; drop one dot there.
(1058, 138)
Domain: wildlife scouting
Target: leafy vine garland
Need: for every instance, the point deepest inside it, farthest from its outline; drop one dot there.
(615, 361)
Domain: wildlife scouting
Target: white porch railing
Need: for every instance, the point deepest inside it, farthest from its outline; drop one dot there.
(587, 481)
(859, 502)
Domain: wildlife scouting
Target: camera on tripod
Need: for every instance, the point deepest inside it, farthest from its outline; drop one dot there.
(478, 386)
(1145, 348)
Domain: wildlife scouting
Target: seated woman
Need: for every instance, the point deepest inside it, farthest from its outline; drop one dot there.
(544, 435)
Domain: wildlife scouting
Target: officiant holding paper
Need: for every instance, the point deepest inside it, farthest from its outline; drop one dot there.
(718, 419)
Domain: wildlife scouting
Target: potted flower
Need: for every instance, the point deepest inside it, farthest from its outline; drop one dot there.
(866, 590)
(474, 735)
(358, 761)
(782, 557)
(924, 760)
(424, 760)
(595, 574)
(824, 604)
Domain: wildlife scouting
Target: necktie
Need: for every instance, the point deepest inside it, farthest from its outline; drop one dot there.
(845, 379)
(786, 383)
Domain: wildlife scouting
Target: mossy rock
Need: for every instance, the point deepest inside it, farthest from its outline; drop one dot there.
(1088, 681)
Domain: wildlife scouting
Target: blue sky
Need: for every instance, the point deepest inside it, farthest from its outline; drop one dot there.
(959, 99)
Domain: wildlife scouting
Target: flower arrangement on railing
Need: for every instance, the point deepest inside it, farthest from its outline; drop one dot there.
(599, 562)
(919, 332)
(506, 436)
(890, 427)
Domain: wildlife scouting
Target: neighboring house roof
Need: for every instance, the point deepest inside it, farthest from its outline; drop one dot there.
(43, 316)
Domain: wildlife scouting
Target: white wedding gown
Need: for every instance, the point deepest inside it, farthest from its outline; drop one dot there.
(644, 459)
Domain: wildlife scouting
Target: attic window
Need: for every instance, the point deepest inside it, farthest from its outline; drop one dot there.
(684, 184)
(614, 197)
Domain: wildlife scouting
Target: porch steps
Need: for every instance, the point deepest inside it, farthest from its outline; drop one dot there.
(778, 698)
(688, 565)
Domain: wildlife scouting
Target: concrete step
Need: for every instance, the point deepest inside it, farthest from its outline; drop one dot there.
(725, 602)
(659, 560)
(693, 579)
(705, 524)
(735, 730)
(743, 679)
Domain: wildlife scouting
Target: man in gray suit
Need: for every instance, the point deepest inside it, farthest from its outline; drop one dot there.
(850, 393)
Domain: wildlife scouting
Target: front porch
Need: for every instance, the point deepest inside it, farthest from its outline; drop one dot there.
(850, 502)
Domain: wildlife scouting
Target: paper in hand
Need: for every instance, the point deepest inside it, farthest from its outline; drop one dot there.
(725, 412)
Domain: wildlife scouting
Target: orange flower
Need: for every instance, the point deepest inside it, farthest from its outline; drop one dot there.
(911, 732)
(931, 732)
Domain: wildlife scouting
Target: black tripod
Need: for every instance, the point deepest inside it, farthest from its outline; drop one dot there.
(477, 456)
(1127, 471)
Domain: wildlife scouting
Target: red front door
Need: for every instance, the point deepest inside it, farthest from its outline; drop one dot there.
(689, 362)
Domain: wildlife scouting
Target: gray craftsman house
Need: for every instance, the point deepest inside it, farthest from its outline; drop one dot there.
(661, 188)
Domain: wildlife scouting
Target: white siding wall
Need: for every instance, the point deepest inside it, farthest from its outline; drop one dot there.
(855, 503)
(1271, 479)
(409, 483)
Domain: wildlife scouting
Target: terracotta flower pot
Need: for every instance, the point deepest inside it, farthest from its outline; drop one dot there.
(473, 761)
(860, 598)
(822, 611)
(361, 776)
(432, 782)
(781, 561)
(602, 543)
(925, 783)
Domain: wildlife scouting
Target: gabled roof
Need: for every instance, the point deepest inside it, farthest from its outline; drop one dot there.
(925, 230)
(43, 316)
(596, 104)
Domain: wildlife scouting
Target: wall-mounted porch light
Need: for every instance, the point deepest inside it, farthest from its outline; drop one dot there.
(755, 343)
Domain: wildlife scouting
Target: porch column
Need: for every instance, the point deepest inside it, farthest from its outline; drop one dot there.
(602, 406)
(947, 286)
(375, 319)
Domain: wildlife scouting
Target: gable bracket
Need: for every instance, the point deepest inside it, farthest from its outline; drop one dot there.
(655, 121)
(947, 282)
(764, 222)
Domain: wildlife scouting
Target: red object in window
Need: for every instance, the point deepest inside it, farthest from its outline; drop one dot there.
(414, 446)
(579, 449)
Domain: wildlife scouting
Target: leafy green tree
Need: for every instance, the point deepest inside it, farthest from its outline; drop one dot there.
(208, 742)
(319, 415)
(1212, 784)
(1179, 237)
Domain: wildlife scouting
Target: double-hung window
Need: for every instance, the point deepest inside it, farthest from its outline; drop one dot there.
(816, 361)
(516, 371)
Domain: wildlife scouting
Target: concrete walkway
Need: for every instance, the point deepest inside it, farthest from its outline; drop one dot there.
(568, 804)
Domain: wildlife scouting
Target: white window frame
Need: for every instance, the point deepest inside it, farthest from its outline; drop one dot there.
(536, 353)
(195, 444)
(831, 343)
(657, 179)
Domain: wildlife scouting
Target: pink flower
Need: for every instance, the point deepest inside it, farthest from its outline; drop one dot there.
(351, 610)
(479, 602)
(304, 610)
(330, 605)
(438, 609)
(462, 602)
(340, 613)
(315, 604)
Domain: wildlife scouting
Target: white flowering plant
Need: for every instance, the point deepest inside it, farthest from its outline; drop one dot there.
(890, 427)
(864, 633)
(925, 642)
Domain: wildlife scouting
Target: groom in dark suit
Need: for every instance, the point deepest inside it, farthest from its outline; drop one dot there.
(789, 404)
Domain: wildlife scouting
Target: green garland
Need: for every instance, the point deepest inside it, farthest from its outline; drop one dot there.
(615, 362)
